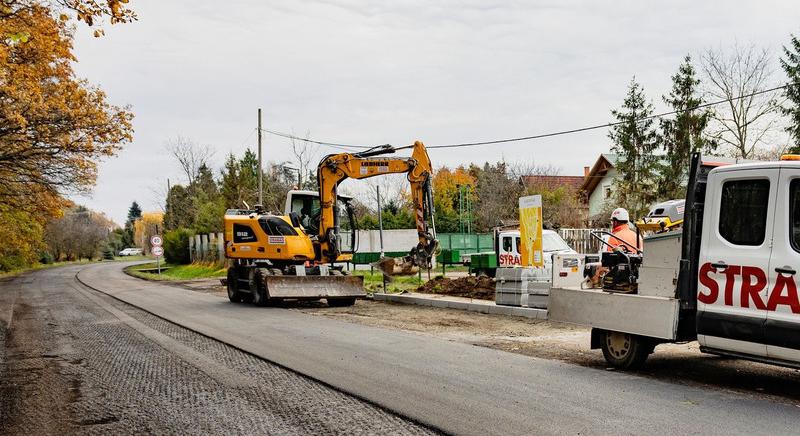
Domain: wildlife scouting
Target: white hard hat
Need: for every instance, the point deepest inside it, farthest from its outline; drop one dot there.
(620, 214)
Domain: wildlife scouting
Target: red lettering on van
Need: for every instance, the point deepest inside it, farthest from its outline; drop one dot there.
(709, 283)
(790, 299)
(754, 280)
(730, 278)
(750, 290)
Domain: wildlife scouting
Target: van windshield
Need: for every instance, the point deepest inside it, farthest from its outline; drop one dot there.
(553, 242)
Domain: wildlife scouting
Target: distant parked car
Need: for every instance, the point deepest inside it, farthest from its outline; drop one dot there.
(131, 252)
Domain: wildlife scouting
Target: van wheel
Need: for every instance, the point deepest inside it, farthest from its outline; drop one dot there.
(233, 286)
(624, 350)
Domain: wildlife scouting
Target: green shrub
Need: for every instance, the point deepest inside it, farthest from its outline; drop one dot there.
(176, 246)
(108, 252)
(45, 258)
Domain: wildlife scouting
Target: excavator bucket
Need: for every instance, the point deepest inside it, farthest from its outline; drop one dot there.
(313, 287)
(396, 266)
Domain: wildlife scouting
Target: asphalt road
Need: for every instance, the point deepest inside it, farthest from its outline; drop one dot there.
(75, 361)
(450, 386)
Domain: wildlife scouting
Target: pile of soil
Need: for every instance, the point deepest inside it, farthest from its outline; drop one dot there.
(480, 287)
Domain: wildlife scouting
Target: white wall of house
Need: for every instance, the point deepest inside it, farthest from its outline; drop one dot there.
(602, 193)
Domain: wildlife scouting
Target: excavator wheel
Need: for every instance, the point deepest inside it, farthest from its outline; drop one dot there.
(233, 286)
(258, 287)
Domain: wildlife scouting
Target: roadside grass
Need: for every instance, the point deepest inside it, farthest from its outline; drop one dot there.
(177, 272)
(39, 266)
(373, 282)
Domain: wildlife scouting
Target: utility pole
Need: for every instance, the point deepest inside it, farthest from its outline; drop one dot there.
(380, 231)
(380, 218)
(460, 209)
(469, 208)
(260, 165)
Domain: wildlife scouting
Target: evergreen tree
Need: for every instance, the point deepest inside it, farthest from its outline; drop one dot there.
(683, 135)
(205, 185)
(230, 185)
(248, 177)
(134, 213)
(791, 66)
(635, 142)
(179, 212)
(208, 203)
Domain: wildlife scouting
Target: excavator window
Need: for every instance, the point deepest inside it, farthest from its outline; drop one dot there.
(243, 233)
(276, 226)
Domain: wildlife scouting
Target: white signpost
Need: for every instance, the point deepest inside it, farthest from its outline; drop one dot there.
(157, 250)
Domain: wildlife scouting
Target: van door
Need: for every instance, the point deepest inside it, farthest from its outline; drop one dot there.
(506, 251)
(734, 273)
(782, 328)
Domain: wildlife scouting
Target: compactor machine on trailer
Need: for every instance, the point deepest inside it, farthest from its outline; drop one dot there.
(299, 254)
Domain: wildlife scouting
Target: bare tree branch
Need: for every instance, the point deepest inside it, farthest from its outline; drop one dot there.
(190, 155)
(744, 123)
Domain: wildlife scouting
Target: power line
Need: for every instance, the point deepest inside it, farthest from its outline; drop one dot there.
(345, 146)
(339, 145)
(607, 125)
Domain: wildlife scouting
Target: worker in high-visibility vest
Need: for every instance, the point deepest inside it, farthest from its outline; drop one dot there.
(623, 238)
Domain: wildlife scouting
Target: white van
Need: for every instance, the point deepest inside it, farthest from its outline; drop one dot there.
(728, 280)
(507, 249)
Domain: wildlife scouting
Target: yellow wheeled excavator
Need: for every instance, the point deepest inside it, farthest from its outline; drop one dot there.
(298, 254)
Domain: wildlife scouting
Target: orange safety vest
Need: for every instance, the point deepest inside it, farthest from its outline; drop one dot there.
(625, 233)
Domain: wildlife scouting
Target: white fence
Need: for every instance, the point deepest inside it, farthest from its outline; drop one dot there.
(580, 240)
(208, 248)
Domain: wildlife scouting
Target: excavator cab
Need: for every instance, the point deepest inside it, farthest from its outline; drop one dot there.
(305, 205)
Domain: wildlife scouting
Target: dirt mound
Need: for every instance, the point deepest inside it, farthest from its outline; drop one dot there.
(480, 287)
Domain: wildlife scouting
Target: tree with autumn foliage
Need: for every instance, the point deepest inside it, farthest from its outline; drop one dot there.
(150, 224)
(54, 126)
(450, 186)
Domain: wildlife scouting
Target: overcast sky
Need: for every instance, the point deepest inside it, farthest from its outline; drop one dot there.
(375, 72)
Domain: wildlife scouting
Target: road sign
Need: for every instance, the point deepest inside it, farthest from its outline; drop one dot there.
(158, 251)
(156, 241)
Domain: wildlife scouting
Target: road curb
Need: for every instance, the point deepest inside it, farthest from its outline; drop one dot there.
(488, 308)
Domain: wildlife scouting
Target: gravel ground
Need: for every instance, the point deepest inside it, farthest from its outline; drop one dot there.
(76, 361)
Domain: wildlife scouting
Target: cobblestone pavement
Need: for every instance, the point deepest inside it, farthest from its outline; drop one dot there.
(76, 361)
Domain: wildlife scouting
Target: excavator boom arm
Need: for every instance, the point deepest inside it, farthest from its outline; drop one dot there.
(333, 169)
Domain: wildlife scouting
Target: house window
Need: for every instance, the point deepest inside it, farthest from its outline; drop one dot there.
(607, 191)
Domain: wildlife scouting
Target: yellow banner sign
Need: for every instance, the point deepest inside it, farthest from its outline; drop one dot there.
(530, 228)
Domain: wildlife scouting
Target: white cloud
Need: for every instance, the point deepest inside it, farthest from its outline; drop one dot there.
(376, 72)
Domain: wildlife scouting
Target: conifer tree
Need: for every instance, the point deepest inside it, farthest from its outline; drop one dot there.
(683, 135)
(635, 142)
(791, 66)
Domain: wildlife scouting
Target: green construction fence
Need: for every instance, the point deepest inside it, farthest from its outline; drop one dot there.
(452, 245)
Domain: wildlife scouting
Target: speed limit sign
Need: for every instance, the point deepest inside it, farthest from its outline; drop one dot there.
(156, 241)
(157, 251)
